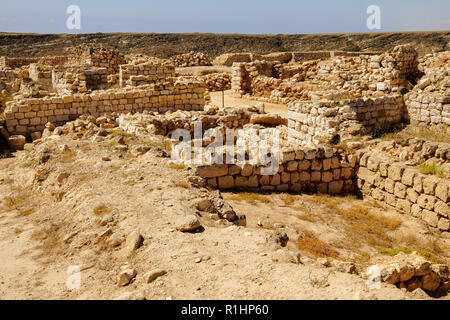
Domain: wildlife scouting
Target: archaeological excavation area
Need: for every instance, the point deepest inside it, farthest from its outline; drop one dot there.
(93, 180)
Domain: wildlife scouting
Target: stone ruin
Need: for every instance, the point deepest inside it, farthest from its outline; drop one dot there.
(334, 100)
(332, 97)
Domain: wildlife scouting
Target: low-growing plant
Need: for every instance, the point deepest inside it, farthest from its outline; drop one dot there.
(316, 247)
(177, 166)
(428, 255)
(433, 169)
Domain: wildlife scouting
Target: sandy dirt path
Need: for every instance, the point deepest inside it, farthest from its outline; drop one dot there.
(231, 99)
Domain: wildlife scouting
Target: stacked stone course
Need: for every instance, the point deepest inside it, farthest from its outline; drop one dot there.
(29, 115)
(191, 59)
(300, 170)
(429, 102)
(97, 57)
(79, 79)
(339, 76)
(149, 72)
(405, 189)
(12, 63)
(41, 75)
(325, 122)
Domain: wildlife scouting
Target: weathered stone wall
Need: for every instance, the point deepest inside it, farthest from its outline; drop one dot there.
(41, 75)
(428, 109)
(7, 62)
(151, 71)
(78, 79)
(242, 74)
(301, 170)
(97, 57)
(429, 101)
(332, 76)
(406, 189)
(324, 122)
(284, 57)
(191, 59)
(29, 115)
(228, 59)
(414, 150)
(211, 117)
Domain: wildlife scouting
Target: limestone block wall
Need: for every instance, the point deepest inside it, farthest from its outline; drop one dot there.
(97, 57)
(7, 62)
(242, 74)
(54, 60)
(318, 122)
(40, 74)
(210, 118)
(406, 189)
(228, 59)
(29, 115)
(79, 79)
(430, 109)
(300, 170)
(151, 71)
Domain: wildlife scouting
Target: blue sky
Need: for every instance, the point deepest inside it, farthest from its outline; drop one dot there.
(230, 16)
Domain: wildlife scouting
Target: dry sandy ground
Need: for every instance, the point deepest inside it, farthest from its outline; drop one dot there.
(231, 99)
(47, 225)
(202, 70)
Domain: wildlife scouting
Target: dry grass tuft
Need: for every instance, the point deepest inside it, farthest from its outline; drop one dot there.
(307, 217)
(120, 133)
(181, 184)
(101, 209)
(361, 256)
(316, 247)
(288, 199)
(428, 134)
(330, 202)
(372, 228)
(251, 198)
(433, 169)
(177, 166)
(430, 256)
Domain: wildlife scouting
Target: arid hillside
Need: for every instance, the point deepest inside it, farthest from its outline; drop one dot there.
(167, 45)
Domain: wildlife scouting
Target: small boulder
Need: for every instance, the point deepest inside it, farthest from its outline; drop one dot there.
(205, 205)
(153, 274)
(133, 241)
(430, 281)
(125, 276)
(268, 119)
(16, 142)
(188, 223)
(114, 240)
